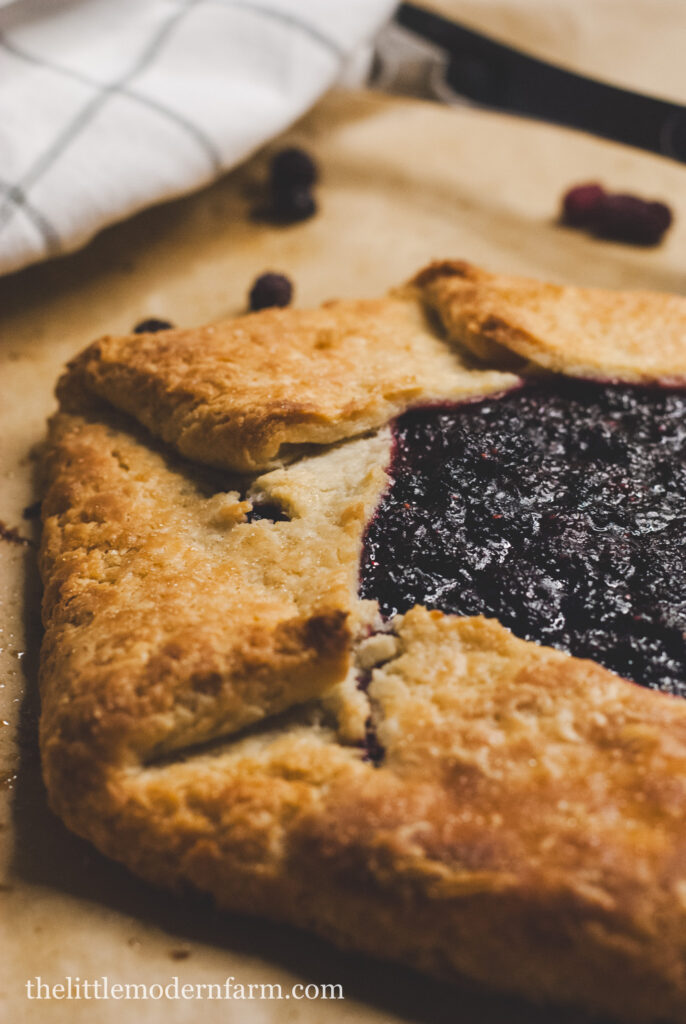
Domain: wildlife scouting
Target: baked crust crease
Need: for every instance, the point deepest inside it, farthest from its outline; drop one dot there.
(210, 678)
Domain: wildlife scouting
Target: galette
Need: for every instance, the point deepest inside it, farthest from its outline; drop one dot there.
(372, 619)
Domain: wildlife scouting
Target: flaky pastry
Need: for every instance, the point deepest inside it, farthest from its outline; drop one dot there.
(210, 677)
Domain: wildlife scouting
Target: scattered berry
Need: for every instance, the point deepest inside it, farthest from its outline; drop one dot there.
(580, 204)
(292, 175)
(292, 167)
(151, 326)
(294, 205)
(626, 218)
(617, 216)
(270, 290)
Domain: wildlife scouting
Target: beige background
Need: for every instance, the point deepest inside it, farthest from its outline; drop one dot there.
(402, 182)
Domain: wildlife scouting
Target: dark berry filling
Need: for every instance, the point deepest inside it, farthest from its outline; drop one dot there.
(559, 509)
(269, 511)
(373, 751)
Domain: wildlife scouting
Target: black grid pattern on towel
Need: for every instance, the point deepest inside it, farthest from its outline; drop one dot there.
(16, 195)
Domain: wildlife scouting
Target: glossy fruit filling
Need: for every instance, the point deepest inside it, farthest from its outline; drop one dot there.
(559, 509)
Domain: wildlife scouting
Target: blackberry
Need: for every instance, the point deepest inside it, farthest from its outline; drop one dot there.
(270, 290)
(152, 326)
(292, 167)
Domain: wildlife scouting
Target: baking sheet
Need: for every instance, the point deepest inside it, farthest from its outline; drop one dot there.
(403, 182)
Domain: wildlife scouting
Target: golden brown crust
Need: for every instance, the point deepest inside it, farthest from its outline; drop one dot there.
(241, 393)
(584, 332)
(188, 620)
(525, 827)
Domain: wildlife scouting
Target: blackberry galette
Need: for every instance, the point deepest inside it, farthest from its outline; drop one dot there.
(345, 611)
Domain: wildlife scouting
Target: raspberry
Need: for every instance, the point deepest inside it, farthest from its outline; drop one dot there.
(626, 218)
(580, 204)
(270, 290)
(152, 326)
(617, 216)
(291, 167)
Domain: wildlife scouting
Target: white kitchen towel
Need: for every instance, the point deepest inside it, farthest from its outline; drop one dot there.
(108, 106)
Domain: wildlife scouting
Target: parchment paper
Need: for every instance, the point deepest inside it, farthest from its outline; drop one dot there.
(402, 182)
